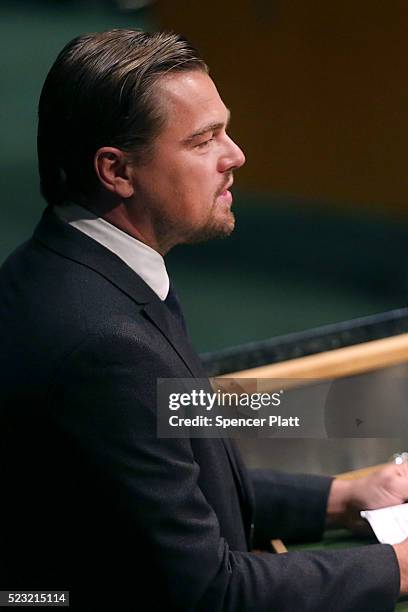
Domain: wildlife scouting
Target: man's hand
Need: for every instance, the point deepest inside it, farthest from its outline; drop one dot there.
(387, 486)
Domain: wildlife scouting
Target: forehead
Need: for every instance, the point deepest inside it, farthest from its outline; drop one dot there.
(191, 100)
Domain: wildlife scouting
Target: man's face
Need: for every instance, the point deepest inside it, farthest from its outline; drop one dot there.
(184, 188)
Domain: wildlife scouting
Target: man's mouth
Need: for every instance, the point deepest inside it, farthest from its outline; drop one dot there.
(225, 194)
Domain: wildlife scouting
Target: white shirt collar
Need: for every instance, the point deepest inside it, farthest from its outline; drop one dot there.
(143, 260)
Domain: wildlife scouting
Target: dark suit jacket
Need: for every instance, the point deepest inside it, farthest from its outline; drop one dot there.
(94, 502)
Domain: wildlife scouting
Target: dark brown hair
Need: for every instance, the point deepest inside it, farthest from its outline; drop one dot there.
(100, 91)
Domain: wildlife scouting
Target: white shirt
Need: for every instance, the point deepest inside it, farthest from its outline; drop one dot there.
(143, 260)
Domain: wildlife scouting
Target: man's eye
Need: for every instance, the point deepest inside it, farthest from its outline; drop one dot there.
(205, 143)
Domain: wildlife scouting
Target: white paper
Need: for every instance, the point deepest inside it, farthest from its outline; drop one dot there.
(390, 524)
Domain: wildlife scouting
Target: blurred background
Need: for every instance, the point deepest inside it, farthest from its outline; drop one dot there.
(319, 100)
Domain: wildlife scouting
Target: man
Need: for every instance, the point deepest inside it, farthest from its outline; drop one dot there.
(135, 158)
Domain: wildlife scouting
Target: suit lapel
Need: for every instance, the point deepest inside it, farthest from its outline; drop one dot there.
(77, 246)
(172, 329)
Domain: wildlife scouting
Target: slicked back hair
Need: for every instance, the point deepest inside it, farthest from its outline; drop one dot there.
(101, 91)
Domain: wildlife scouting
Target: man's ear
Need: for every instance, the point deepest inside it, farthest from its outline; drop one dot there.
(113, 169)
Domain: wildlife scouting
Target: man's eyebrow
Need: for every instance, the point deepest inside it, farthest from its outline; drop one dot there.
(211, 127)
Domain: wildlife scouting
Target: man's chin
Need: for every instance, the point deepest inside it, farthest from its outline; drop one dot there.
(219, 228)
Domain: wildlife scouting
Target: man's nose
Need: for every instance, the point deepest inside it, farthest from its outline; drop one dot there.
(234, 156)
